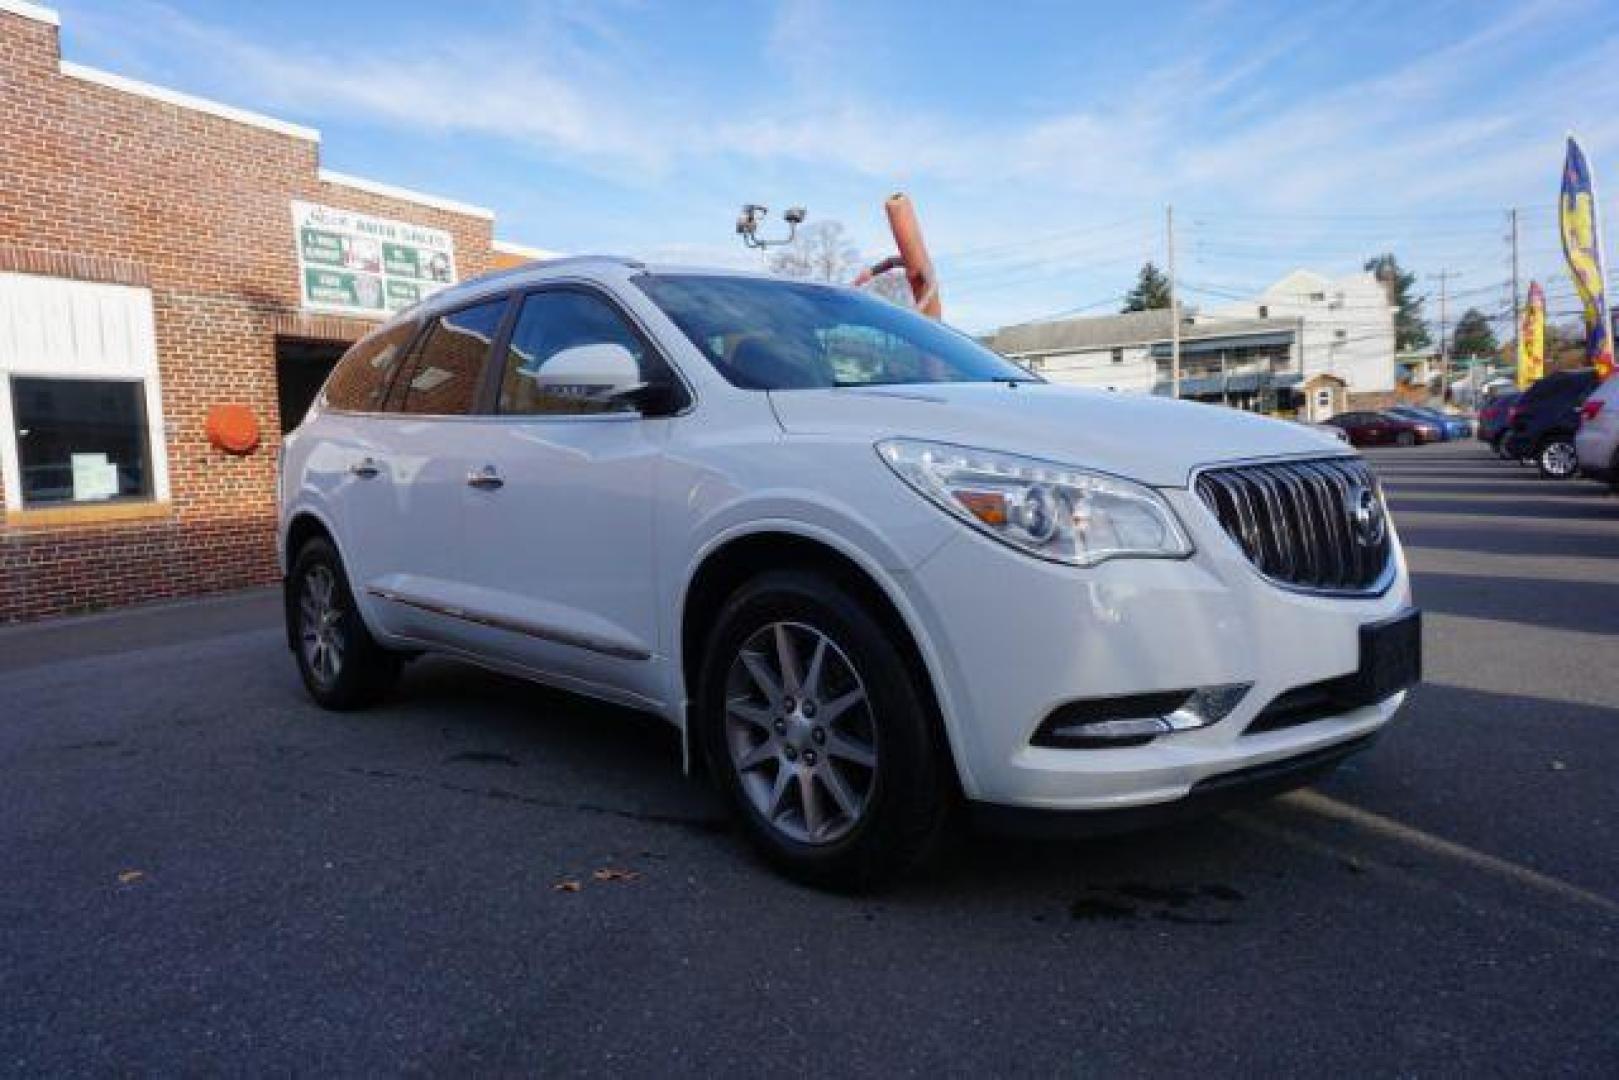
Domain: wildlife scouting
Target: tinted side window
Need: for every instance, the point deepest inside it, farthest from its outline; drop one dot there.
(360, 381)
(548, 324)
(444, 371)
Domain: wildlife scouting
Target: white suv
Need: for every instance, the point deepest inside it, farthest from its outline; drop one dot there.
(873, 571)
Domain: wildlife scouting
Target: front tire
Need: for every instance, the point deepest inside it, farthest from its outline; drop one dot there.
(814, 725)
(342, 665)
(1557, 459)
(1405, 438)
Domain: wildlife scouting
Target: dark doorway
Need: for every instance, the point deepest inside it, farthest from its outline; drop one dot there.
(301, 368)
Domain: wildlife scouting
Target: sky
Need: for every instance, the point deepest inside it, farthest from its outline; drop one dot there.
(1041, 142)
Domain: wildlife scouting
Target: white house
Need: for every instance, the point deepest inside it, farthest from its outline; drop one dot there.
(1346, 326)
(1307, 343)
(1248, 363)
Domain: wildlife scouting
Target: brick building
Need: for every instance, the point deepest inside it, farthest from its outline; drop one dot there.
(162, 256)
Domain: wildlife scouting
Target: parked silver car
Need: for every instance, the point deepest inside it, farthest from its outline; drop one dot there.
(1596, 443)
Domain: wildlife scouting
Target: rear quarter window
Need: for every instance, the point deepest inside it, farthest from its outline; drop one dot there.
(361, 379)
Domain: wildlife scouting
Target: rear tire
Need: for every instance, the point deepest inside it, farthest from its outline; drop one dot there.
(342, 665)
(1405, 438)
(1557, 459)
(835, 766)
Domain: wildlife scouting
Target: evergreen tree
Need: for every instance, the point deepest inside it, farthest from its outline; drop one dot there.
(1410, 332)
(1151, 291)
(1473, 336)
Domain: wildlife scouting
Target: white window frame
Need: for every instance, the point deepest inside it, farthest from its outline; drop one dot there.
(60, 328)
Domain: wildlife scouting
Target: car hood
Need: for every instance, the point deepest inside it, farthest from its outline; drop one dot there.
(1153, 440)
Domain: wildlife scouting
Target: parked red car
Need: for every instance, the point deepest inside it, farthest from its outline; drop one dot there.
(1381, 429)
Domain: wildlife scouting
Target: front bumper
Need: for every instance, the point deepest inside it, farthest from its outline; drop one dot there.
(1011, 638)
(1211, 795)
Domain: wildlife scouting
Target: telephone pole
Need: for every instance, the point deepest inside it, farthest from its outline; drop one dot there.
(1517, 314)
(1174, 307)
(1443, 277)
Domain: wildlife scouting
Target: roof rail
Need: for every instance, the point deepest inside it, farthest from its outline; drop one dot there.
(528, 268)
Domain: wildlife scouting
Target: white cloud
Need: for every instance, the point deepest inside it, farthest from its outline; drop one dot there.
(1477, 119)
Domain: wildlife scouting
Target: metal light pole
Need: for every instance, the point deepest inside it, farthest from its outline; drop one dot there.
(1174, 308)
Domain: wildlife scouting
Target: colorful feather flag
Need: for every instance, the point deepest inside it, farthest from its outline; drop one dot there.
(1532, 338)
(1582, 246)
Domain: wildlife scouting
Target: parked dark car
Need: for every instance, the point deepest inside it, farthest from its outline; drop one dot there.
(1544, 421)
(1494, 418)
(1382, 429)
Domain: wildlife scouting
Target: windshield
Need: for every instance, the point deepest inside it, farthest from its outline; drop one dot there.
(765, 334)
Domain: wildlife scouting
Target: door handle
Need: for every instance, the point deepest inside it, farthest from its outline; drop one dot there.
(365, 468)
(485, 479)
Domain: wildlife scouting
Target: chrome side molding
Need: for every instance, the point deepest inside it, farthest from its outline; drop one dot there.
(516, 626)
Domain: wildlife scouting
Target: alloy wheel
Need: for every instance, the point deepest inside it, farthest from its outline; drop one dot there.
(319, 622)
(801, 733)
(1558, 459)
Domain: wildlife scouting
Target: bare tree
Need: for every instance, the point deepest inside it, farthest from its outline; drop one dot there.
(893, 287)
(823, 251)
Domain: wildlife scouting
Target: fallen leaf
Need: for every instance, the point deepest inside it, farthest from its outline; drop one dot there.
(568, 885)
(613, 873)
(129, 877)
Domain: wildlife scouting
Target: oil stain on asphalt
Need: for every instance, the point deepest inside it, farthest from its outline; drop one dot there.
(1192, 905)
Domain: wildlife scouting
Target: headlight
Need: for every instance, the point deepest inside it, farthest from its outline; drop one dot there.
(1053, 511)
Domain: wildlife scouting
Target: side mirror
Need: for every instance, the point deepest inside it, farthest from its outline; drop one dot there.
(601, 373)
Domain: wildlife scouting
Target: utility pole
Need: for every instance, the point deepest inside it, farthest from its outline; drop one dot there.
(1174, 307)
(1443, 278)
(1517, 314)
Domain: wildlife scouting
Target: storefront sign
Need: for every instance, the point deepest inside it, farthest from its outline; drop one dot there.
(356, 264)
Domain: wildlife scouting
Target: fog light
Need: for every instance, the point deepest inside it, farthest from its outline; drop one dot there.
(1208, 705)
(1138, 718)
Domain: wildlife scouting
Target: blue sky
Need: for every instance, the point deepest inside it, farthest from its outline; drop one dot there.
(1041, 141)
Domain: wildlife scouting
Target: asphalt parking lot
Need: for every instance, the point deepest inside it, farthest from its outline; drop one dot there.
(200, 871)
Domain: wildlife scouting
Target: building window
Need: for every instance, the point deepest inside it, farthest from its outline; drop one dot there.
(81, 440)
(1323, 400)
(1340, 334)
(81, 412)
(1317, 297)
(1264, 311)
(1118, 356)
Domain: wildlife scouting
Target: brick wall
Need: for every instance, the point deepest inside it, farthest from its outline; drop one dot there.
(98, 181)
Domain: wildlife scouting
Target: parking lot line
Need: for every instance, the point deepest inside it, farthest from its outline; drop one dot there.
(1326, 806)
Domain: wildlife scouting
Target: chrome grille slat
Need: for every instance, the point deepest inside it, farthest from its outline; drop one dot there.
(1334, 535)
(1298, 491)
(1296, 521)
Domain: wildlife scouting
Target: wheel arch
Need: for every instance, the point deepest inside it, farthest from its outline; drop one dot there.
(728, 564)
(305, 525)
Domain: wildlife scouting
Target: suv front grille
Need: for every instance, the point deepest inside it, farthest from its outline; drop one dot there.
(1319, 525)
